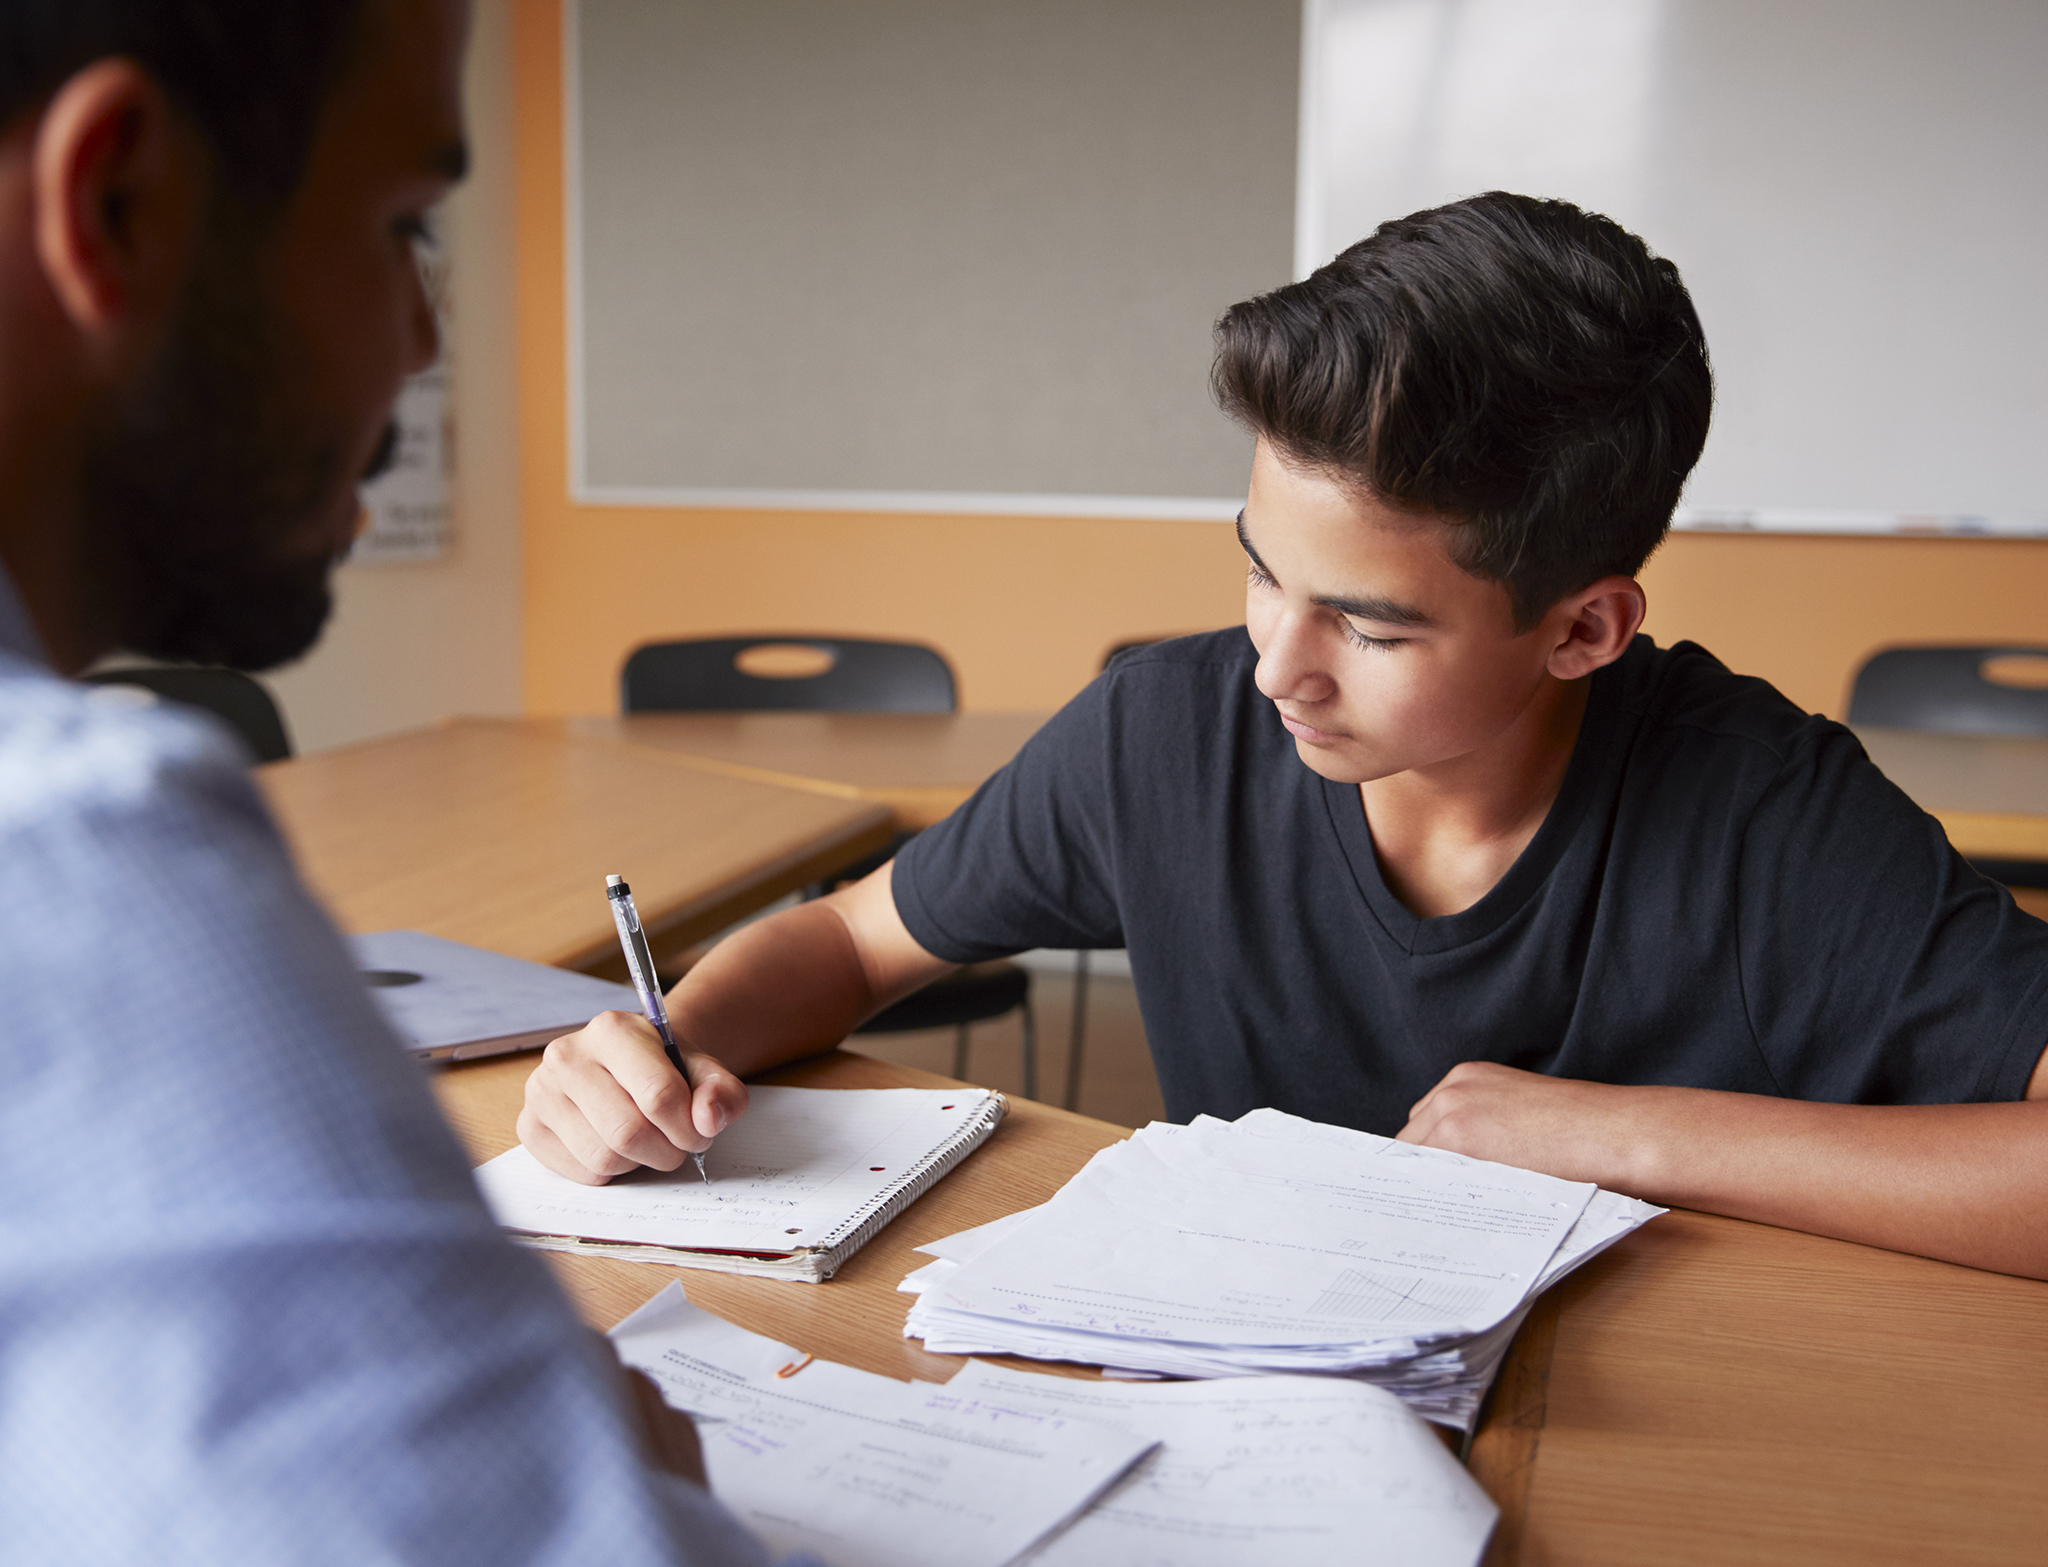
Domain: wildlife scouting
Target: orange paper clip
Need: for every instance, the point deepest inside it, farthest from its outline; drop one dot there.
(795, 1366)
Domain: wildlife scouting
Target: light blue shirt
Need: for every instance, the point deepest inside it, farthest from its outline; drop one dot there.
(251, 1308)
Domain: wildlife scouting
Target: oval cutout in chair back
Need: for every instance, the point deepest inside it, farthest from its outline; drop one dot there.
(784, 661)
(2024, 671)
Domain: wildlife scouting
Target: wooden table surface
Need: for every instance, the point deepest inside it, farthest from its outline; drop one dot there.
(1709, 1391)
(501, 832)
(1713, 1391)
(1990, 791)
(920, 765)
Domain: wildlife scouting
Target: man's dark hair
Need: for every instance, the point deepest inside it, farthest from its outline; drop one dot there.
(1524, 369)
(252, 75)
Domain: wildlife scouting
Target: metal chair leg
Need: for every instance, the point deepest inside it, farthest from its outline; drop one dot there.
(1030, 1049)
(960, 1052)
(1076, 1030)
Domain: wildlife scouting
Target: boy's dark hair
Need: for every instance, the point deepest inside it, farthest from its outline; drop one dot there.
(253, 75)
(1523, 368)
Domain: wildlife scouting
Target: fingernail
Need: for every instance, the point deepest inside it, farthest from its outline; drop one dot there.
(720, 1117)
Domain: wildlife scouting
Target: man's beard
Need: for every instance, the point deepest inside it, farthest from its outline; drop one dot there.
(198, 481)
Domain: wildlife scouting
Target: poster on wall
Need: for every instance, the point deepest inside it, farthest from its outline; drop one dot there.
(409, 508)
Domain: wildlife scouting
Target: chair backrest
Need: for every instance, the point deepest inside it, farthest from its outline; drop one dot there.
(1945, 690)
(860, 676)
(238, 700)
(1122, 648)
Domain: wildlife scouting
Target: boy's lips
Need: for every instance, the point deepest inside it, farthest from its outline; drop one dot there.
(1307, 732)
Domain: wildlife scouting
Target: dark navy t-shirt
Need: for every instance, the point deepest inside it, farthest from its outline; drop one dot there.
(1726, 893)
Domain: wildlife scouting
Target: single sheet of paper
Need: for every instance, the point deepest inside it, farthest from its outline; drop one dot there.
(860, 1470)
(1309, 1471)
(966, 1245)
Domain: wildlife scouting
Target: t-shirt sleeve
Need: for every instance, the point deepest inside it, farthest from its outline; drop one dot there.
(1877, 966)
(1028, 861)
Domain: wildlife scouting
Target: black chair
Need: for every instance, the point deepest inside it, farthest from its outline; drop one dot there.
(706, 676)
(1944, 690)
(1122, 648)
(860, 676)
(240, 701)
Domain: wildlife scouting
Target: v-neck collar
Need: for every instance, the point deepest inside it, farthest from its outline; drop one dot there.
(1414, 934)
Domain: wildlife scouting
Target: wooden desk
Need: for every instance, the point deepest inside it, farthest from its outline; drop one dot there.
(1709, 1391)
(1990, 791)
(857, 1316)
(1713, 1391)
(920, 765)
(501, 832)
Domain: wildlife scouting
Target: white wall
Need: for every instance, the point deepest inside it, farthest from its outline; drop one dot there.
(1856, 194)
(413, 643)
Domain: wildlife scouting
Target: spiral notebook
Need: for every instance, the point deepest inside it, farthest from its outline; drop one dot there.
(798, 1184)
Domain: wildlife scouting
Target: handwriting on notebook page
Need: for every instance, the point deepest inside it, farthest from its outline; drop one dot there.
(797, 1170)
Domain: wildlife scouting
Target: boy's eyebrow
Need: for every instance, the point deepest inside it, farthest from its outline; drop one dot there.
(1383, 611)
(1244, 543)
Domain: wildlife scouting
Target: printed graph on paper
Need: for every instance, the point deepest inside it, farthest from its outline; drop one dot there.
(1356, 1296)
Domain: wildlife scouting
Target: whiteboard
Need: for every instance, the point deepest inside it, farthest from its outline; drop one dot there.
(1856, 194)
(942, 255)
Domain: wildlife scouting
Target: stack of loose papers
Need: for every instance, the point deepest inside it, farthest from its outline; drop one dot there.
(1273, 1244)
(855, 1468)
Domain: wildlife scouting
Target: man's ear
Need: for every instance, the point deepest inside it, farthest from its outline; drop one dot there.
(1594, 626)
(119, 182)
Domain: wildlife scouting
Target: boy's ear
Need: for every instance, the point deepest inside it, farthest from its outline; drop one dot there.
(119, 186)
(1594, 626)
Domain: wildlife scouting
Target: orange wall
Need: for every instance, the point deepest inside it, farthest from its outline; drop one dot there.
(1804, 612)
(1025, 607)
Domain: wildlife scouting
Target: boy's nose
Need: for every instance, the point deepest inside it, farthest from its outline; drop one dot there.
(1289, 668)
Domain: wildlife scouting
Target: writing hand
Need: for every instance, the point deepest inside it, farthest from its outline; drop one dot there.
(604, 1100)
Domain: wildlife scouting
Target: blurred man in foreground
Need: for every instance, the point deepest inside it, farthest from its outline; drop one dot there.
(251, 1309)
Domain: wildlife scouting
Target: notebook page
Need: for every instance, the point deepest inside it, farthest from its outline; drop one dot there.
(800, 1169)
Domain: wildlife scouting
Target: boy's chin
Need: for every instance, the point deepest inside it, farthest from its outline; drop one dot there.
(1340, 764)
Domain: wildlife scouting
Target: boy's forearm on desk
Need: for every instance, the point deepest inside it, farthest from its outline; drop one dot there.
(1964, 1183)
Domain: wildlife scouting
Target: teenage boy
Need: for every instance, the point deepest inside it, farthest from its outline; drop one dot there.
(1437, 844)
(251, 1307)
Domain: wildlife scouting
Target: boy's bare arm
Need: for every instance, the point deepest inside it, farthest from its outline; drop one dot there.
(1964, 1183)
(604, 1100)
